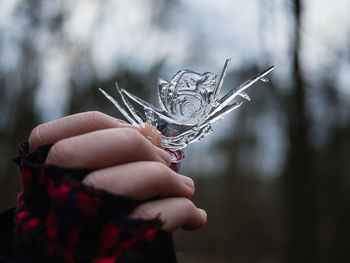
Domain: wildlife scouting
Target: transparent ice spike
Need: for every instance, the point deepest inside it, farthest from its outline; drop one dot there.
(189, 105)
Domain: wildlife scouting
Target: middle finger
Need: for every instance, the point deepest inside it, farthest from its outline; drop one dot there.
(141, 181)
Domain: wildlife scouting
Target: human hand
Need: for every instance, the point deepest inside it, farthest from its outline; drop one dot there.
(125, 162)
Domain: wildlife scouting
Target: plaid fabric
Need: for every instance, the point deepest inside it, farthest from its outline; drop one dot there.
(58, 219)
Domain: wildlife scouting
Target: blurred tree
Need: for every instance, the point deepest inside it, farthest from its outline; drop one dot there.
(19, 86)
(298, 178)
(314, 185)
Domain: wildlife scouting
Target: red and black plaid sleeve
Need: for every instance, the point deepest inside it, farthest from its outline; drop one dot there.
(58, 219)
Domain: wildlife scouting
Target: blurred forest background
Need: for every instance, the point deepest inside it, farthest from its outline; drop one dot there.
(274, 176)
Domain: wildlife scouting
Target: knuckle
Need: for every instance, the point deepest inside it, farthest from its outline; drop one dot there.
(94, 117)
(165, 181)
(93, 179)
(187, 205)
(143, 211)
(59, 153)
(37, 136)
(134, 138)
(161, 170)
(34, 136)
(159, 177)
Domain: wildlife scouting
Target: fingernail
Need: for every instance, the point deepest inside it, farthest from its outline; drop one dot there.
(127, 125)
(188, 181)
(203, 213)
(163, 154)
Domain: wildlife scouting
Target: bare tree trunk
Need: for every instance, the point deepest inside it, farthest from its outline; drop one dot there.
(298, 178)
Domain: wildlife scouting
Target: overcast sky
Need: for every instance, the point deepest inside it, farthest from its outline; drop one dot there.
(197, 34)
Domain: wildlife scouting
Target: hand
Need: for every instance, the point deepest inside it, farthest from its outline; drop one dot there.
(125, 162)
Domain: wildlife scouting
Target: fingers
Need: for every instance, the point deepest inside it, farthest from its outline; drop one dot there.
(105, 148)
(52, 132)
(141, 181)
(152, 134)
(175, 212)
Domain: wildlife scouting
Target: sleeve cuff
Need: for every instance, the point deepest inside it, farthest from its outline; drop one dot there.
(58, 219)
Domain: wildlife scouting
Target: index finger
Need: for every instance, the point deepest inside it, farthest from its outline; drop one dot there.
(77, 124)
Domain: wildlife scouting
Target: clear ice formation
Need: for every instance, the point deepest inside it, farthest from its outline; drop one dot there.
(189, 105)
